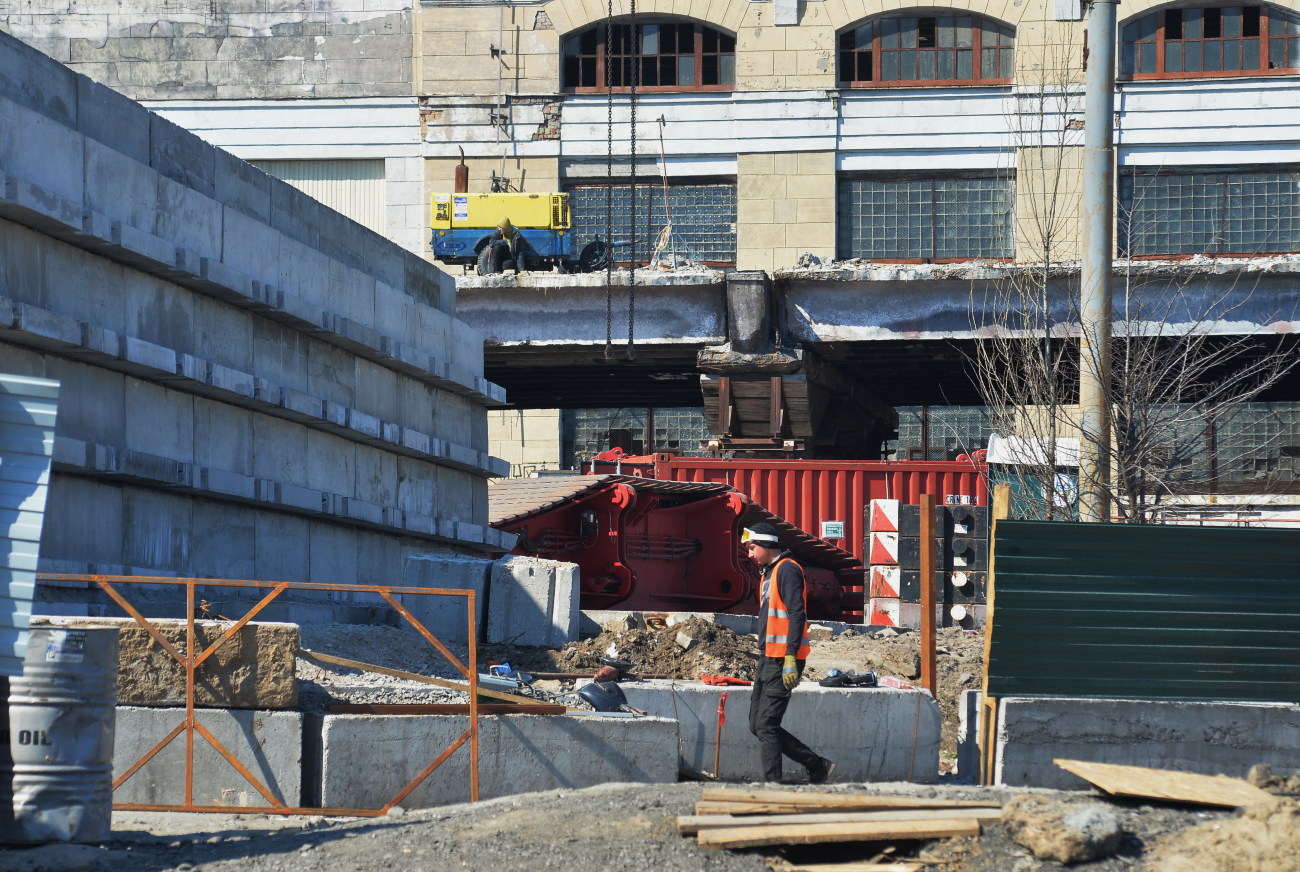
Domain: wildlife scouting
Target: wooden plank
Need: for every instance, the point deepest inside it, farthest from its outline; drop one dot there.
(690, 824)
(808, 800)
(748, 809)
(851, 866)
(987, 739)
(814, 834)
(1168, 784)
(415, 676)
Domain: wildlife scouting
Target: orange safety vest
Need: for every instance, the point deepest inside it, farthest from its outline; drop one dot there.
(776, 637)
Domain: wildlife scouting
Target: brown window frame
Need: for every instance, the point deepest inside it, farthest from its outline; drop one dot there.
(1270, 18)
(597, 58)
(845, 51)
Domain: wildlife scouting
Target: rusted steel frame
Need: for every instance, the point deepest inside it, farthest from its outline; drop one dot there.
(244, 582)
(251, 809)
(929, 665)
(239, 767)
(149, 755)
(471, 612)
(139, 618)
(190, 661)
(189, 694)
(238, 625)
(442, 758)
(423, 631)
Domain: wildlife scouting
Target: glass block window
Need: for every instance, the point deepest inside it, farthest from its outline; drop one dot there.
(653, 56)
(704, 218)
(926, 219)
(928, 49)
(1188, 42)
(953, 430)
(1209, 212)
(587, 432)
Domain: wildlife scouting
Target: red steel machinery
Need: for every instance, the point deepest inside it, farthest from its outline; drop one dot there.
(651, 545)
(824, 498)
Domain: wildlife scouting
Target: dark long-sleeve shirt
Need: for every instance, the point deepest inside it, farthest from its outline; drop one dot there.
(789, 579)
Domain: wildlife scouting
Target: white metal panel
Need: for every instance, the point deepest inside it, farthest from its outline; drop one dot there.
(1221, 121)
(28, 407)
(354, 188)
(301, 129)
(957, 128)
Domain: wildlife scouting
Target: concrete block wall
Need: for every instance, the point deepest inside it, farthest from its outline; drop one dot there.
(527, 439)
(254, 385)
(878, 734)
(785, 206)
(232, 51)
(268, 744)
(364, 760)
(1211, 738)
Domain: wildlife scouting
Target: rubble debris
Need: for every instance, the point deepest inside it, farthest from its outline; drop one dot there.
(1264, 838)
(1067, 834)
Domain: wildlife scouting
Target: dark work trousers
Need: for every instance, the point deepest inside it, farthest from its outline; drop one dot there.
(767, 704)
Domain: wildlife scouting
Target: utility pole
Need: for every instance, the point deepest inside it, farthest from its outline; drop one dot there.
(1095, 279)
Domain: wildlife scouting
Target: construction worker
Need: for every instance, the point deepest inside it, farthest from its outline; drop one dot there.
(782, 609)
(506, 249)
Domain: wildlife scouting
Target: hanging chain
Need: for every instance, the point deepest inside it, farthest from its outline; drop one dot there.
(631, 108)
(609, 187)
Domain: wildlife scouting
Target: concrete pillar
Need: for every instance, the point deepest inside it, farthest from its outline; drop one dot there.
(749, 304)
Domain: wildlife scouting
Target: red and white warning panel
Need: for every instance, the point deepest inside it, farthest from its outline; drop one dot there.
(885, 581)
(882, 516)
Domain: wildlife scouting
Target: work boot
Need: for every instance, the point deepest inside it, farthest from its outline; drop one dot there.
(821, 773)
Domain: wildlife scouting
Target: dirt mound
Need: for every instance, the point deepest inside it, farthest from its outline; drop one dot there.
(714, 650)
(1265, 838)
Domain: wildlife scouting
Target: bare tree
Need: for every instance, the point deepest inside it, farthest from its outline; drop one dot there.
(1190, 348)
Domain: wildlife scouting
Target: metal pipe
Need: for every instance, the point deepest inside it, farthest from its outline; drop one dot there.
(1095, 279)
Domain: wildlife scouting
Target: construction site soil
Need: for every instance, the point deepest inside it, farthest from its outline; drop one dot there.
(633, 826)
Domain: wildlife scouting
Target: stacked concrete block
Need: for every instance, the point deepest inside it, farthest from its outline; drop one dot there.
(241, 401)
(894, 562)
(365, 760)
(254, 669)
(267, 743)
(860, 729)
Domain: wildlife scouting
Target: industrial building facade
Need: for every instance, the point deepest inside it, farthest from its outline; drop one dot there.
(845, 130)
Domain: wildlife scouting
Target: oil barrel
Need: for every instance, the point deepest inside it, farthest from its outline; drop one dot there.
(60, 743)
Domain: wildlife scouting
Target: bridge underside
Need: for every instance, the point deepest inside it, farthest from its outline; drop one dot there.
(898, 372)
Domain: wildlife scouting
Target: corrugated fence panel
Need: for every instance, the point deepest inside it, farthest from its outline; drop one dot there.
(354, 188)
(27, 412)
(1145, 612)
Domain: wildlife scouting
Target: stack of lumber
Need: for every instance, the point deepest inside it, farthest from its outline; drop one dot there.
(738, 818)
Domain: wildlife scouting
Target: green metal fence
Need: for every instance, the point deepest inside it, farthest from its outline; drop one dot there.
(1145, 612)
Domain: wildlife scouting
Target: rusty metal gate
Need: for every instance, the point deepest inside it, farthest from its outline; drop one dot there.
(191, 660)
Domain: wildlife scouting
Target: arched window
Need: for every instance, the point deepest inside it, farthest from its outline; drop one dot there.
(653, 55)
(926, 49)
(1186, 42)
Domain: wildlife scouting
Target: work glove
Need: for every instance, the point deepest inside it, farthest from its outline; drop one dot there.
(790, 673)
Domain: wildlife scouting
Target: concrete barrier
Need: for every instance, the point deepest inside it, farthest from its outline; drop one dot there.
(366, 759)
(268, 744)
(533, 602)
(1211, 738)
(878, 734)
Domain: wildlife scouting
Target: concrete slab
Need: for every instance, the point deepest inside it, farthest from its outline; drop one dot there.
(268, 743)
(446, 616)
(877, 734)
(1210, 738)
(366, 759)
(533, 602)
